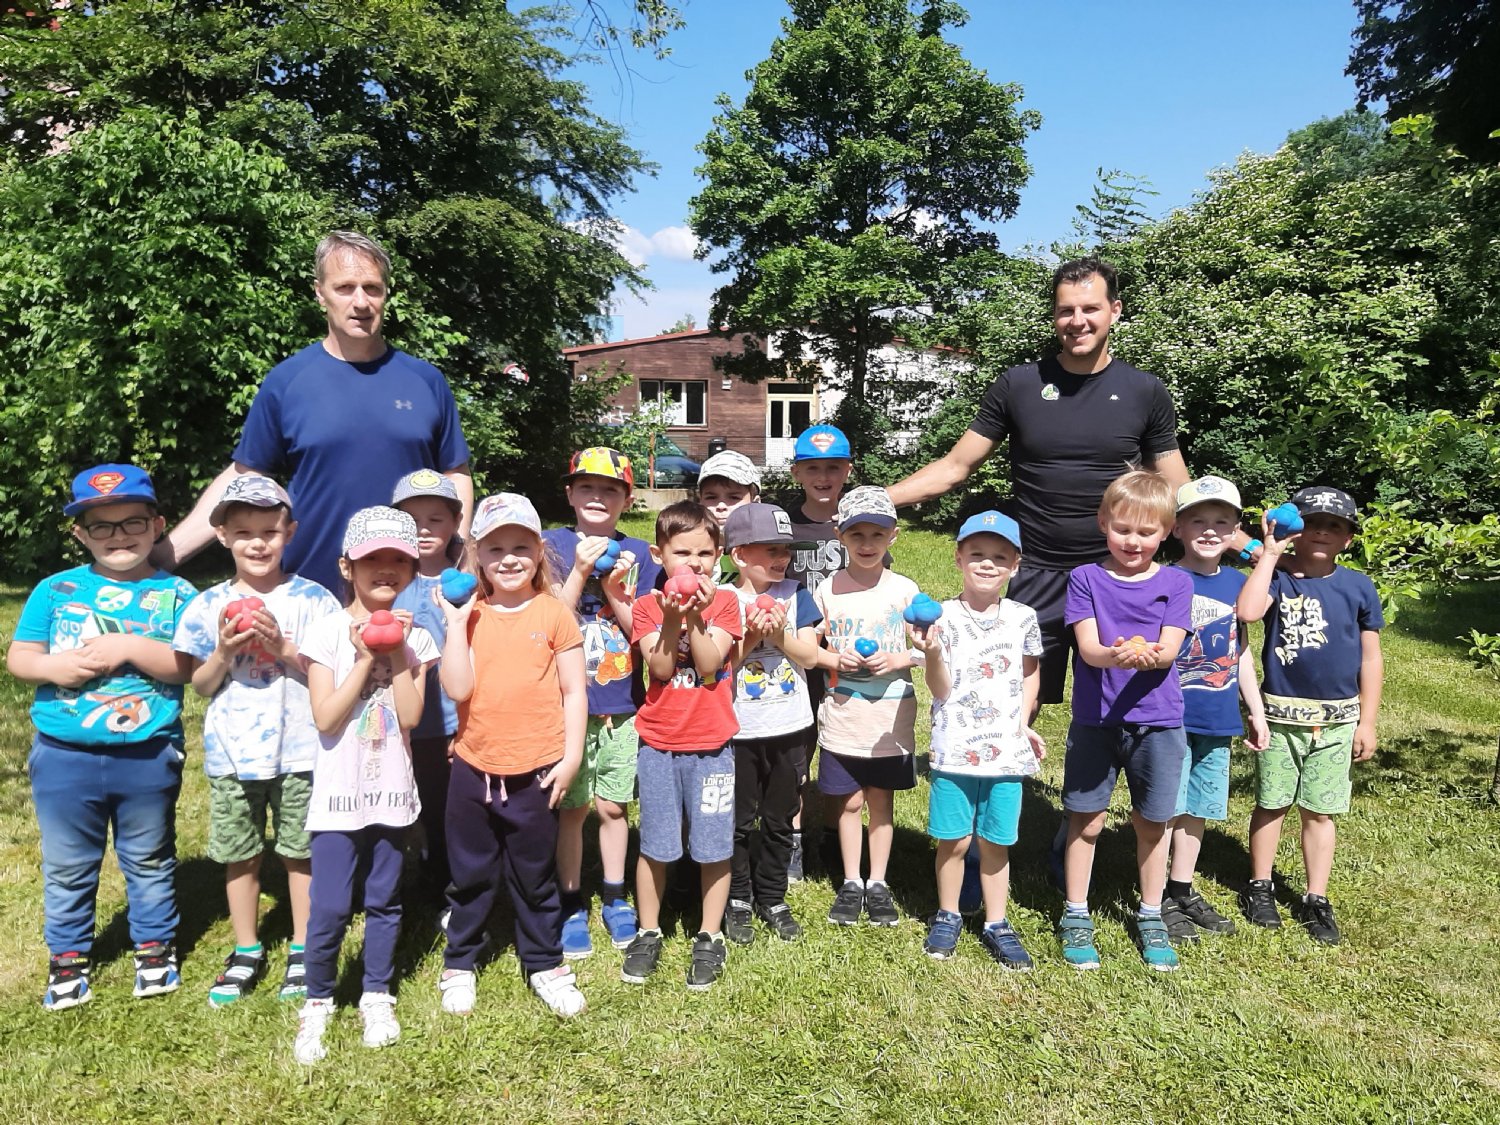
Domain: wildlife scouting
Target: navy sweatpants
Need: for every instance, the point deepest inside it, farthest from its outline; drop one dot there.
(370, 858)
(502, 825)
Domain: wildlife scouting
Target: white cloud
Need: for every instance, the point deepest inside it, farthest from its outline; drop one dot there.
(671, 244)
(676, 244)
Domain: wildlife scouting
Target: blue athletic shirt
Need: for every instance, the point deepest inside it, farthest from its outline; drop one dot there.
(126, 706)
(439, 713)
(341, 434)
(1208, 665)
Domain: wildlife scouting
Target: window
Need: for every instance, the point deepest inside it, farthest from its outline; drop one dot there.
(687, 398)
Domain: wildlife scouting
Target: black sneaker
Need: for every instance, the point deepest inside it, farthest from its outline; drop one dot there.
(67, 982)
(156, 969)
(779, 920)
(1180, 928)
(737, 922)
(1202, 914)
(641, 957)
(242, 972)
(709, 956)
(1258, 901)
(847, 904)
(880, 908)
(1316, 915)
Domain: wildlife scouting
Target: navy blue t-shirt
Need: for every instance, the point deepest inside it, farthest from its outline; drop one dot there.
(1209, 661)
(1313, 649)
(341, 434)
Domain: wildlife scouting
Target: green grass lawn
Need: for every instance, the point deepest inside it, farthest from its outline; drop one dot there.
(1397, 1024)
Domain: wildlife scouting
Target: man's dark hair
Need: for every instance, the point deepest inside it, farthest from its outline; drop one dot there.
(1071, 273)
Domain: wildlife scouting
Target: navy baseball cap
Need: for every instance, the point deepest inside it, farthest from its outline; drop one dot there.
(991, 523)
(822, 443)
(1329, 502)
(110, 484)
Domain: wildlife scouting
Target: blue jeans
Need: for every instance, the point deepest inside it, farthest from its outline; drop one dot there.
(81, 795)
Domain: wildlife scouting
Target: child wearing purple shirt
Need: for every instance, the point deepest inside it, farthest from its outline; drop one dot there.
(1130, 617)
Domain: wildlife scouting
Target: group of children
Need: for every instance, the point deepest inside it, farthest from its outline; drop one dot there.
(498, 718)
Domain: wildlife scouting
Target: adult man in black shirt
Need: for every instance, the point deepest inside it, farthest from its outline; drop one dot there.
(1075, 422)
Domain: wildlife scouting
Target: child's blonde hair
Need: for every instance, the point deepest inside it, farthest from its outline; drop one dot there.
(1141, 493)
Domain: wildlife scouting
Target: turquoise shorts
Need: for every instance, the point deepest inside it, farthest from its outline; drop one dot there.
(1204, 792)
(960, 805)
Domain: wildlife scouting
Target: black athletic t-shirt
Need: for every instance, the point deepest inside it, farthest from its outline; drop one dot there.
(1070, 435)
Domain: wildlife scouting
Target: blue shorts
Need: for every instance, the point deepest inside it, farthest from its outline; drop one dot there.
(696, 789)
(959, 804)
(1204, 791)
(1150, 756)
(839, 775)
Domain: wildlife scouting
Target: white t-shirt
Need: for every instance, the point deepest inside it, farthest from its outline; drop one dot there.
(259, 723)
(980, 730)
(362, 774)
(770, 691)
(864, 715)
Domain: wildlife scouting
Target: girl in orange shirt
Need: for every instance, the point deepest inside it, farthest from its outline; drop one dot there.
(513, 663)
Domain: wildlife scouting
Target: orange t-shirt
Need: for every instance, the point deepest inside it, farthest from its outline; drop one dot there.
(512, 722)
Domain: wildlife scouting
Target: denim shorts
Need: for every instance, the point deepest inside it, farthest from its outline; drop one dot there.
(1204, 790)
(693, 789)
(1150, 756)
(959, 805)
(839, 775)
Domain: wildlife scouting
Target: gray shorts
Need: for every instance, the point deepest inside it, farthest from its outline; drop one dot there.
(693, 788)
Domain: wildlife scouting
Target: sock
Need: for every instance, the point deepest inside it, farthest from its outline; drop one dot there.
(1179, 890)
(874, 883)
(255, 950)
(572, 903)
(856, 880)
(717, 935)
(295, 947)
(796, 840)
(1148, 911)
(1003, 924)
(649, 933)
(1077, 909)
(612, 892)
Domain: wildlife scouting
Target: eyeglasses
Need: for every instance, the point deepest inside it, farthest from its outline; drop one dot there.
(103, 529)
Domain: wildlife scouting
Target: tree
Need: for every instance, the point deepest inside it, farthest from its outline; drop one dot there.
(685, 323)
(1435, 57)
(847, 192)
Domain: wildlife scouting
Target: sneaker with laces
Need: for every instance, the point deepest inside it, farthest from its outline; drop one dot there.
(156, 969)
(1155, 946)
(1180, 928)
(737, 926)
(794, 862)
(1203, 915)
(312, 1022)
(458, 989)
(1258, 901)
(1001, 943)
(378, 1010)
(709, 955)
(242, 972)
(970, 893)
(558, 989)
(1315, 913)
(779, 920)
(620, 920)
(880, 908)
(847, 904)
(1076, 933)
(67, 981)
(576, 942)
(641, 957)
(942, 935)
(294, 980)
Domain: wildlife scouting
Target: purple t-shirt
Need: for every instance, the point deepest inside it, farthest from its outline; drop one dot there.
(1108, 697)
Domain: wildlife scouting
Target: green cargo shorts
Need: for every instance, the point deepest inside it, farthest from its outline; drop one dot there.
(608, 770)
(237, 817)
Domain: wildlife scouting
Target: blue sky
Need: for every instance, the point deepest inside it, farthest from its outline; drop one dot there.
(1164, 90)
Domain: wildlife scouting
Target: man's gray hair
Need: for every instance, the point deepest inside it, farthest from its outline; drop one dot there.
(351, 242)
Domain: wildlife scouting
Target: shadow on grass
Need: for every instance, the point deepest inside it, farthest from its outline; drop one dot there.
(1448, 615)
(200, 904)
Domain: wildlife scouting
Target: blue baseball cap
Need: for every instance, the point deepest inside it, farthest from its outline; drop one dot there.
(110, 484)
(992, 523)
(822, 443)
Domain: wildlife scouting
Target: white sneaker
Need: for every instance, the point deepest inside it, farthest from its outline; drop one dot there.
(308, 1047)
(457, 987)
(378, 1009)
(558, 989)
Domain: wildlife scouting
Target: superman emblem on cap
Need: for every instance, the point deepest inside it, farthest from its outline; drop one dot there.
(106, 482)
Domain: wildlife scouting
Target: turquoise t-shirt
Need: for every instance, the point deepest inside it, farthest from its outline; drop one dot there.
(127, 706)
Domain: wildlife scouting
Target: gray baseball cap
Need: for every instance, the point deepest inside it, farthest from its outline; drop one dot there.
(731, 466)
(868, 503)
(757, 523)
(426, 482)
(252, 489)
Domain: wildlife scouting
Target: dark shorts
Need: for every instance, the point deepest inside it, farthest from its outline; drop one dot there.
(840, 775)
(1150, 756)
(1044, 592)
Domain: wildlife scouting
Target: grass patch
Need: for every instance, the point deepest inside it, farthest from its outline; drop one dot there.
(1397, 1024)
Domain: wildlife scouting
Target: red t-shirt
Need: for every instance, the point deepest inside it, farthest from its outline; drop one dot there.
(686, 714)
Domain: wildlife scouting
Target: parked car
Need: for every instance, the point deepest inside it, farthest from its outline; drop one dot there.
(674, 469)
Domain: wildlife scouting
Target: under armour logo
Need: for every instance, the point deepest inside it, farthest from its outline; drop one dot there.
(1114, 398)
(403, 404)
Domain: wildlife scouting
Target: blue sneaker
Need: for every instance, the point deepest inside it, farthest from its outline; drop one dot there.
(576, 942)
(942, 935)
(1155, 946)
(971, 894)
(1001, 943)
(620, 920)
(1076, 932)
